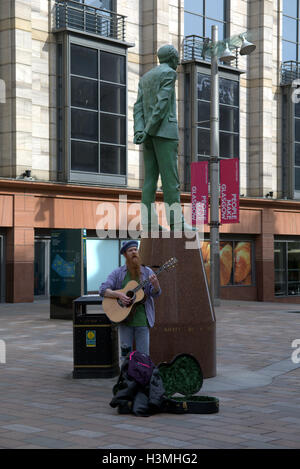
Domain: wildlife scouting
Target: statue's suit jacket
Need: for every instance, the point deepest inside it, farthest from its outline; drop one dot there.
(155, 108)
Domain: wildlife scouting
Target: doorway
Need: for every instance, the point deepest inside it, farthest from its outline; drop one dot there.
(41, 267)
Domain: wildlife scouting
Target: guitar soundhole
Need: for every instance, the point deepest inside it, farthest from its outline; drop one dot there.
(130, 294)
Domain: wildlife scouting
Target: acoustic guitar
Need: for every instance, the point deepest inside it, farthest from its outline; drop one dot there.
(114, 308)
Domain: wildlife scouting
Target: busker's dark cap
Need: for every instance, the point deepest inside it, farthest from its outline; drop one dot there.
(128, 244)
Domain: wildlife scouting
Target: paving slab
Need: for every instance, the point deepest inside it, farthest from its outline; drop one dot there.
(257, 383)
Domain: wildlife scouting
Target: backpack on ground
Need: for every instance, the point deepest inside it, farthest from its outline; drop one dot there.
(140, 367)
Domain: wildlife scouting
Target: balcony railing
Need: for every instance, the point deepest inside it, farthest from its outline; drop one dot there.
(290, 71)
(70, 14)
(196, 48)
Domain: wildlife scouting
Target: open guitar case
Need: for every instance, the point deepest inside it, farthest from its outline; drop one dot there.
(183, 375)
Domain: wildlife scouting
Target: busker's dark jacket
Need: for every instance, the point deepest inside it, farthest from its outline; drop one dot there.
(132, 397)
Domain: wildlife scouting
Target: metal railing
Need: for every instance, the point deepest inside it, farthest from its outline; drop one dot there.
(290, 71)
(70, 14)
(198, 48)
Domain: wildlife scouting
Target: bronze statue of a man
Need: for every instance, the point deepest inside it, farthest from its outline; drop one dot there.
(155, 125)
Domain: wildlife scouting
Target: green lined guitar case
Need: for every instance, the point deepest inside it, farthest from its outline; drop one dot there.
(183, 375)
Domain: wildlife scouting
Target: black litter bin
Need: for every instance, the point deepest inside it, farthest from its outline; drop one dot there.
(95, 340)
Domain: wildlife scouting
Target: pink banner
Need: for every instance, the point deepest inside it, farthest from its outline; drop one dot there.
(199, 192)
(229, 190)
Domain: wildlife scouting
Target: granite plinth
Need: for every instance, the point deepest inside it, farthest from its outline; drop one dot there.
(185, 319)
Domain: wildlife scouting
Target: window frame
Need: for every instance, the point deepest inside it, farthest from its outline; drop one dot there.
(191, 70)
(297, 42)
(288, 143)
(113, 3)
(3, 258)
(225, 21)
(206, 127)
(121, 260)
(285, 241)
(65, 172)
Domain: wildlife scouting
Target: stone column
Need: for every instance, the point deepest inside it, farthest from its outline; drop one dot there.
(238, 24)
(7, 88)
(20, 252)
(23, 87)
(133, 10)
(265, 257)
(24, 65)
(261, 160)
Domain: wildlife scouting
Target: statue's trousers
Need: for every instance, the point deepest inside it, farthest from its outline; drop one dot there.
(160, 157)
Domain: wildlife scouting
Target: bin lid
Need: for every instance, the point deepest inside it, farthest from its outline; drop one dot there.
(89, 300)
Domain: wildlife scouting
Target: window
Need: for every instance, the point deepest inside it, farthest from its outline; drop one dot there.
(197, 115)
(290, 144)
(229, 117)
(200, 15)
(104, 4)
(41, 266)
(98, 103)
(297, 147)
(59, 108)
(101, 22)
(287, 268)
(96, 121)
(290, 30)
(2, 267)
(91, 16)
(103, 255)
(236, 262)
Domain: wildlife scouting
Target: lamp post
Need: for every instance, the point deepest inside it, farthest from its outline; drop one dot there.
(245, 49)
(214, 173)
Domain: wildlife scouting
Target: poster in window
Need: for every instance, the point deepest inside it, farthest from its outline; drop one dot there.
(242, 263)
(67, 263)
(235, 262)
(225, 263)
(206, 258)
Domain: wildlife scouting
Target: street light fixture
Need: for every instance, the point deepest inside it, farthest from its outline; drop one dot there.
(227, 55)
(245, 49)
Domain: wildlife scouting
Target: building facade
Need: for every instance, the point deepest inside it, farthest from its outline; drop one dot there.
(69, 73)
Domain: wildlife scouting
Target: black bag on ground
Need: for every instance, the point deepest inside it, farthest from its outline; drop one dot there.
(140, 367)
(183, 375)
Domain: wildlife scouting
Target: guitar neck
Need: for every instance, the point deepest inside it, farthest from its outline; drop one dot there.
(144, 283)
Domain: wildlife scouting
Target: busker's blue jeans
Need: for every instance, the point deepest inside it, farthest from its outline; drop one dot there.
(141, 335)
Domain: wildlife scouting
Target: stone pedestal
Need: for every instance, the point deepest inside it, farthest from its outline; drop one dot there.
(185, 320)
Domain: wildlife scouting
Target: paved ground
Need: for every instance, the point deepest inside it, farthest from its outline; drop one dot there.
(258, 385)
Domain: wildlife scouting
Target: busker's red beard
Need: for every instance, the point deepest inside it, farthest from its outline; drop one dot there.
(134, 266)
